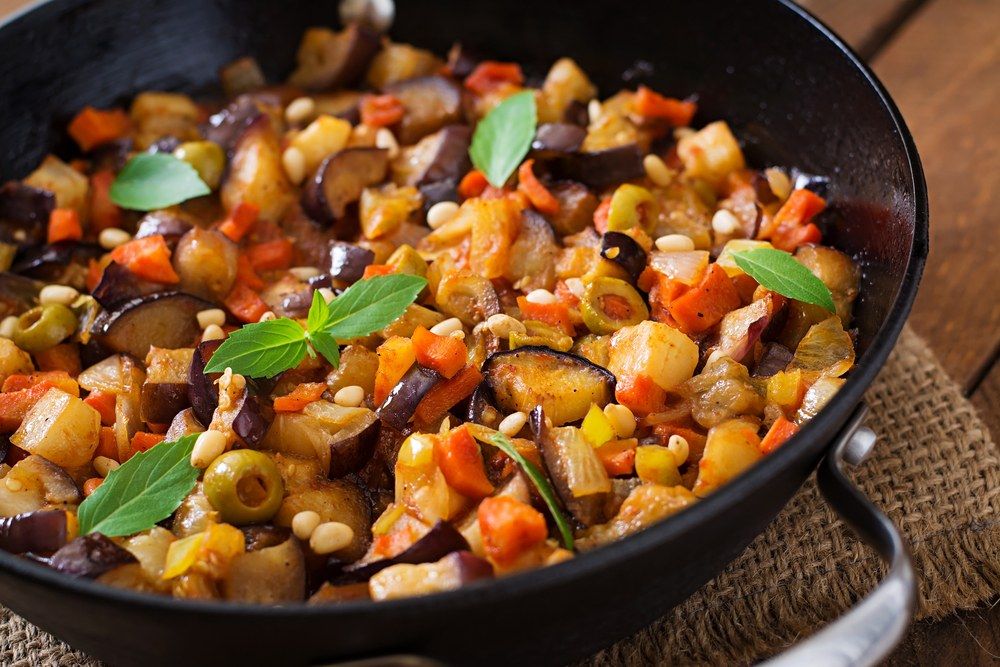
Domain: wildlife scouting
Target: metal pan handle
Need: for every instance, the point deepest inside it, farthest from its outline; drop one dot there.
(873, 627)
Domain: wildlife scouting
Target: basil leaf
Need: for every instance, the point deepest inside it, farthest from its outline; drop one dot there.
(779, 271)
(263, 349)
(142, 491)
(368, 305)
(503, 137)
(326, 345)
(538, 479)
(156, 180)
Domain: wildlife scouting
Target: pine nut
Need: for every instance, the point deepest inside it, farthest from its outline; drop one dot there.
(13, 485)
(104, 465)
(621, 418)
(385, 139)
(304, 273)
(674, 243)
(294, 162)
(215, 316)
(8, 326)
(268, 316)
(541, 296)
(657, 170)
(209, 446)
(330, 536)
(725, 223)
(576, 287)
(349, 397)
(447, 327)
(326, 293)
(512, 424)
(593, 110)
(304, 523)
(440, 213)
(678, 446)
(61, 294)
(300, 110)
(112, 237)
(503, 325)
(612, 252)
(779, 182)
(213, 332)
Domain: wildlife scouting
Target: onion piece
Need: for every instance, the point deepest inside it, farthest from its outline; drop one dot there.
(686, 267)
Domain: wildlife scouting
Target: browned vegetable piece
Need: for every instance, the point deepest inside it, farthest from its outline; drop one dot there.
(194, 515)
(439, 157)
(837, 271)
(241, 76)
(532, 263)
(268, 575)
(467, 296)
(558, 138)
(41, 484)
(398, 62)
(723, 391)
(341, 104)
(334, 500)
(600, 169)
(328, 59)
(358, 366)
(25, 208)
(340, 180)
(166, 319)
(162, 223)
(340, 439)
(165, 391)
(645, 505)
(431, 102)
(578, 474)
(206, 261)
(256, 175)
(576, 207)
(183, 423)
(118, 285)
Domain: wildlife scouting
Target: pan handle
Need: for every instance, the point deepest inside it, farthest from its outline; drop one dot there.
(871, 629)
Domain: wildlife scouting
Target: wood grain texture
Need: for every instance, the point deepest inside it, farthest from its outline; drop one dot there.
(862, 24)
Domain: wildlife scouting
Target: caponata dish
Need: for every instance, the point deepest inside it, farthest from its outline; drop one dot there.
(398, 324)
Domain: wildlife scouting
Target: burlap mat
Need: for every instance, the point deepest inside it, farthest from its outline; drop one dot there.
(935, 472)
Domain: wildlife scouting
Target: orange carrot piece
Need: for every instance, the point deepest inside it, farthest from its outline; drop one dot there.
(601, 215)
(490, 75)
(241, 219)
(800, 207)
(104, 403)
(270, 255)
(789, 238)
(64, 225)
(701, 308)
(104, 213)
(443, 354)
(245, 274)
(148, 258)
(300, 397)
(94, 272)
(15, 404)
(56, 378)
(395, 356)
(651, 104)
(245, 304)
(93, 127)
(780, 431)
(373, 270)
(618, 456)
(381, 110)
(91, 485)
(472, 184)
(461, 463)
(555, 314)
(107, 443)
(63, 357)
(509, 528)
(640, 395)
(143, 441)
(445, 395)
(537, 194)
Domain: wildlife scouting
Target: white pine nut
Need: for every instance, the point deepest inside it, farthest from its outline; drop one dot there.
(61, 294)
(8, 326)
(440, 213)
(330, 536)
(268, 316)
(13, 485)
(349, 397)
(213, 332)
(541, 296)
(209, 446)
(294, 163)
(326, 293)
(304, 523)
(384, 138)
(304, 273)
(621, 418)
(593, 110)
(112, 237)
(503, 325)
(779, 182)
(447, 327)
(576, 286)
(104, 465)
(512, 424)
(300, 110)
(657, 170)
(724, 222)
(678, 446)
(674, 243)
(215, 316)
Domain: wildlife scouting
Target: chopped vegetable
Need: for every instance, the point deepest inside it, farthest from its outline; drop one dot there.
(147, 258)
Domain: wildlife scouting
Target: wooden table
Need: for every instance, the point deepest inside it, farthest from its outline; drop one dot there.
(940, 60)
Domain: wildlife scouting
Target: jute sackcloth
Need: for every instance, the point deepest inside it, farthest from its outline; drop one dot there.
(936, 473)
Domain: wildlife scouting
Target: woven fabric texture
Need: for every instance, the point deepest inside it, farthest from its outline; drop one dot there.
(935, 472)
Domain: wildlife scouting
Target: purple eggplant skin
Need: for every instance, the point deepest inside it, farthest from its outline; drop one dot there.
(447, 159)
(774, 359)
(339, 181)
(26, 209)
(40, 532)
(17, 293)
(344, 57)
(348, 261)
(250, 422)
(600, 169)
(439, 191)
(462, 60)
(162, 223)
(227, 126)
(202, 393)
(350, 454)
(441, 540)
(89, 556)
(164, 319)
(264, 536)
(576, 114)
(431, 102)
(118, 285)
(468, 566)
(49, 262)
(558, 138)
(402, 401)
(630, 255)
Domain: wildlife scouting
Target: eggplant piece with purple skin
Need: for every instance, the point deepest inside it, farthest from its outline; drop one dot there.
(250, 422)
(17, 293)
(431, 102)
(52, 262)
(165, 389)
(441, 156)
(165, 319)
(441, 540)
(202, 393)
(399, 406)
(183, 423)
(162, 223)
(435, 193)
(775, 359)
(40, 532)
(89, 556)
(599, 169)
(576, 207)
(26, 209)
(558, 138)
(328, 59)
(455, 570)
(339, 181)
(227, 126)
(348, 261)
(623, 250)
(118, 285)
(462, 60)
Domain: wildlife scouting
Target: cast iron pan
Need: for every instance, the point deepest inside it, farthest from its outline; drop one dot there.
(792, 91)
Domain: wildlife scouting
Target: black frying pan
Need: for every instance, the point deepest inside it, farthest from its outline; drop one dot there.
(792, 91)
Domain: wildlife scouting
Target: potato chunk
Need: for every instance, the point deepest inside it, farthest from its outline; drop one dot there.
(60, 427)
(711, 153)
(732, 447)
(664, 354)
(13, 360)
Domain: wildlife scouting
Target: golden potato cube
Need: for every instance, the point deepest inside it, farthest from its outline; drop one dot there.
(61, 428)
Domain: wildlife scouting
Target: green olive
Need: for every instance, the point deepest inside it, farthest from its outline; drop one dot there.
(627, 204)
(207, 158)
(43, 327)
(245, 486)
(540, 333)
(608, 304)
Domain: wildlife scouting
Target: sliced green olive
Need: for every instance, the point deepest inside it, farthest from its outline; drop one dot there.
(608, 304)
(43, 327)
(207, 158)
(245, 486)
(626, 207)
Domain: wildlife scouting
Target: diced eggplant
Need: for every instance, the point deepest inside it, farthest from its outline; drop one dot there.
(532, 263)
(206, 261)
(40, 532)
(241, 76)
(441, 540)
(341, 439)
(24, 211)
(348, 261)
(480, 411)
(563, 384)
(183, 423)
(42, 484)
(435, 193)
(573, 464)
(645, 505)
(399, 406)
(775, 359)
(17, 293)
(340, 180)
(451, 572)
(165, 224)
(249, 421)
(61, 263)
(431, 102)
(267, 573)
(467, 296)
(89, 556)
(165, 391)
(558, 138)
(165, 319)
(118, 285)
(328, 59)
(576, 207)
(194, 514)
(599, 169)
(263, 536)
(227, 126)
(441, 156)
(462, 60)
(623, 250)
(577, 114)
(201, 387)
(256, 175)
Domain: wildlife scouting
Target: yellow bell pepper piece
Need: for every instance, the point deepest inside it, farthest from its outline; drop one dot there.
(596, 427)
(182, 554)
(657, 465)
